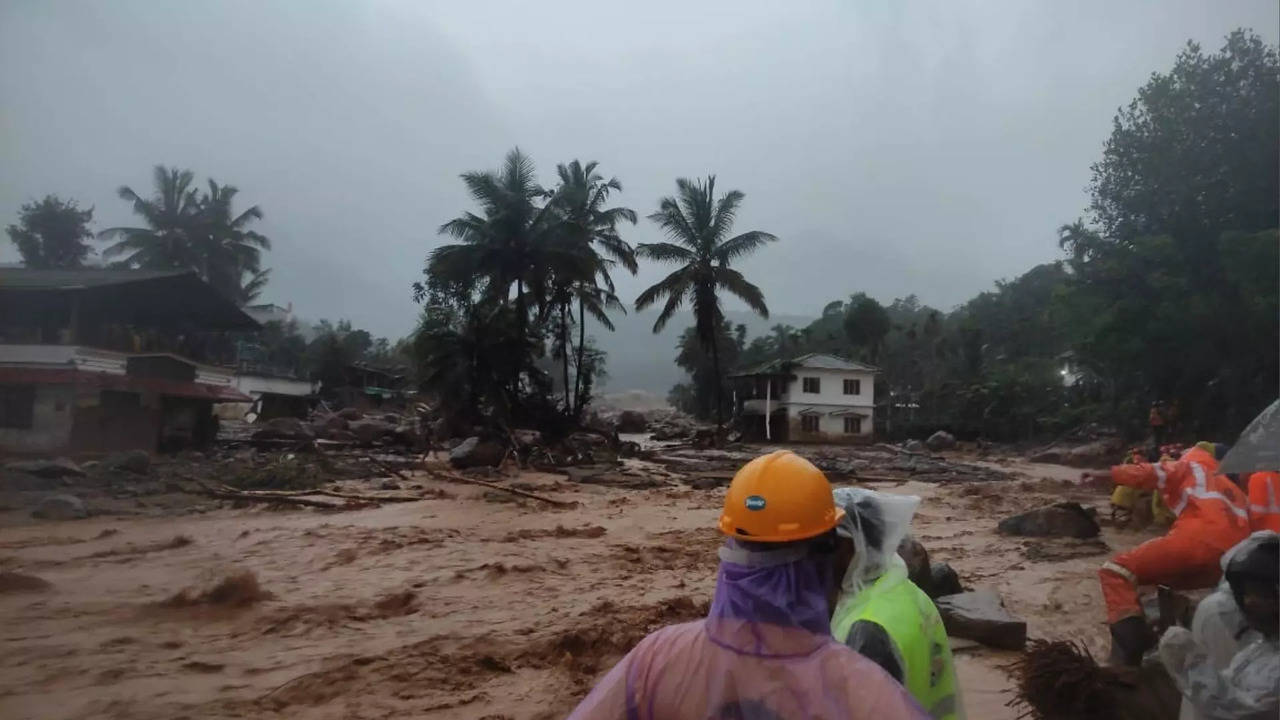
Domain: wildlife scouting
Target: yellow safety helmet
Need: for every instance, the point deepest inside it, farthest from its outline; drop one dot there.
(779, 497)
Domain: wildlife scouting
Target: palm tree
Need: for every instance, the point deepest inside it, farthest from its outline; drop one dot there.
(586, 224)
(229, 250)
(172, 217)
(187, 230)
(510, 243)
(700, 224)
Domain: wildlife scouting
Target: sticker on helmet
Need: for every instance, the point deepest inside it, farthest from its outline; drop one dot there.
(755, 502)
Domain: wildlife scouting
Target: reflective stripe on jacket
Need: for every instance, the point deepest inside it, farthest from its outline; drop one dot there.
(1264, 501)
(1196, 496)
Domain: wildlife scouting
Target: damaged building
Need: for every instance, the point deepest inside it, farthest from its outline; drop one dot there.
(100, 360)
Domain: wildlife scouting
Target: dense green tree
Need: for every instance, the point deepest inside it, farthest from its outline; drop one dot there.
(51, 233)
(1172, 295)
(866, 324)
(700, 224)
(231, 253)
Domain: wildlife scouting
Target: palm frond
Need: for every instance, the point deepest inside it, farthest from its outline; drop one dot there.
(665, 252)
(741, 245)
(726, 213)
(736, 284)
(677, 283)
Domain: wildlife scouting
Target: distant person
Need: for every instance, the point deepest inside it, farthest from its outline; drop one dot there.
(880, 612)
(765, 651)
(1210, 518)
(1159, 424)
(1228, 665)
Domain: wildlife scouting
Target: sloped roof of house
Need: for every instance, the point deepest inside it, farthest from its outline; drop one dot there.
(812, 360)
(148, 298)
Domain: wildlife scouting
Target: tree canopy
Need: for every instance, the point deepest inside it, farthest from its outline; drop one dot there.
(52, 233)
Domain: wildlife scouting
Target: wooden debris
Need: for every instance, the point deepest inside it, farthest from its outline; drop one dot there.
(452, 477)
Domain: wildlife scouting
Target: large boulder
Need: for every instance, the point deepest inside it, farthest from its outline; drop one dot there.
(137, 462)
(913, 446)
(284, 428)
(474, 452)
(61, 507)
(47, 468)
(979, 615)
(349, 414)
(917, 559)
(1064, 519)
(943, 580)
(941, 440)
(631, 421)
(1096, 454)
(370, 431)
(322, 426)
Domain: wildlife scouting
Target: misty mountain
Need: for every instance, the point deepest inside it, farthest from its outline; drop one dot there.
(640, 360)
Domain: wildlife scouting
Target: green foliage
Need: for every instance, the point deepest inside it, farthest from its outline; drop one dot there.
(700, 223)
(701, 394)
(478, 347)
(51, 233)
(1173, 295)
(184, 229)
(866, 323)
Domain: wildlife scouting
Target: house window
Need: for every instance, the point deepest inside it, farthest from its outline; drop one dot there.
(852, 425)
(811, 385)
(809, 423)
(17, 406)
(852, 387)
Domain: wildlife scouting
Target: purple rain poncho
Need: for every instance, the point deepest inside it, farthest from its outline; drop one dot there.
(763, 653)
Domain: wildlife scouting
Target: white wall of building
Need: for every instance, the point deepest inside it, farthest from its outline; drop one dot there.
(831, 388)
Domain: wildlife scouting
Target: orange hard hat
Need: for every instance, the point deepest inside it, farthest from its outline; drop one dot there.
(779, 497)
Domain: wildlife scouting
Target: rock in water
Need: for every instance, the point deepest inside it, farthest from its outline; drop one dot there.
(369, 431)
(631, 421)
(914, 446)
(55, 468)
(526, 438)
(134, 461)
(61, 507)
(979, 616)
(1064, 519)
(943, 580)
(350, 414)
(941, 440)
(917, 559)
(474, 452)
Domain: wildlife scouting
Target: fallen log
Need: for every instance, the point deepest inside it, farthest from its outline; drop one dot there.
(281, 499)
(327, 493)
(451, 477)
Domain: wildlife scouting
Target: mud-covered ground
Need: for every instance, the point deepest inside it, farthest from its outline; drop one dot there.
(466, 606)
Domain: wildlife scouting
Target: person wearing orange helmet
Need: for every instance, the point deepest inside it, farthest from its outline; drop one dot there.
(1210, 519)
(764, 651)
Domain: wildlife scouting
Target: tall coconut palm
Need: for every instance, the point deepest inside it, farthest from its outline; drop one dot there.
(172, 218)
(591, 229)
(700, 225)
(230, 253)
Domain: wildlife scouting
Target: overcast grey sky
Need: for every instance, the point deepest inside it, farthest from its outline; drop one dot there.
(895, 147)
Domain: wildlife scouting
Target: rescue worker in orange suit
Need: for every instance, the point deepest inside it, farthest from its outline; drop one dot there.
(1211, 517)
(1264, 501)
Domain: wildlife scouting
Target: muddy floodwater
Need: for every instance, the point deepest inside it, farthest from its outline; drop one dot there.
(467, 606)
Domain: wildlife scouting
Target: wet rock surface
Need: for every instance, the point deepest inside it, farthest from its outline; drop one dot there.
(941, 440)
(61, 507)
(1064, 519)
(474, 452)
(979, 615)
(47, 468)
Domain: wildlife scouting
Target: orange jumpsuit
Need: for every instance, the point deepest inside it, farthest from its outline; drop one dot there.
(1264, 501)
(1210, 519)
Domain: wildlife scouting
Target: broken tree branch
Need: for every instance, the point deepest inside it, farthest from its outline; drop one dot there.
(327, 493)
(282, 499)
(451, 477)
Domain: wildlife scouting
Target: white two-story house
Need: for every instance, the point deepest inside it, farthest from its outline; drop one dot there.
(811, 398)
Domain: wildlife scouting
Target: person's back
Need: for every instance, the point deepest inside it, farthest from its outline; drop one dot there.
(726, 669)
(764, 652)
(1264, 501)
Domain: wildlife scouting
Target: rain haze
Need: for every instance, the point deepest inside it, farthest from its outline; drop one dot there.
(895, 148)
